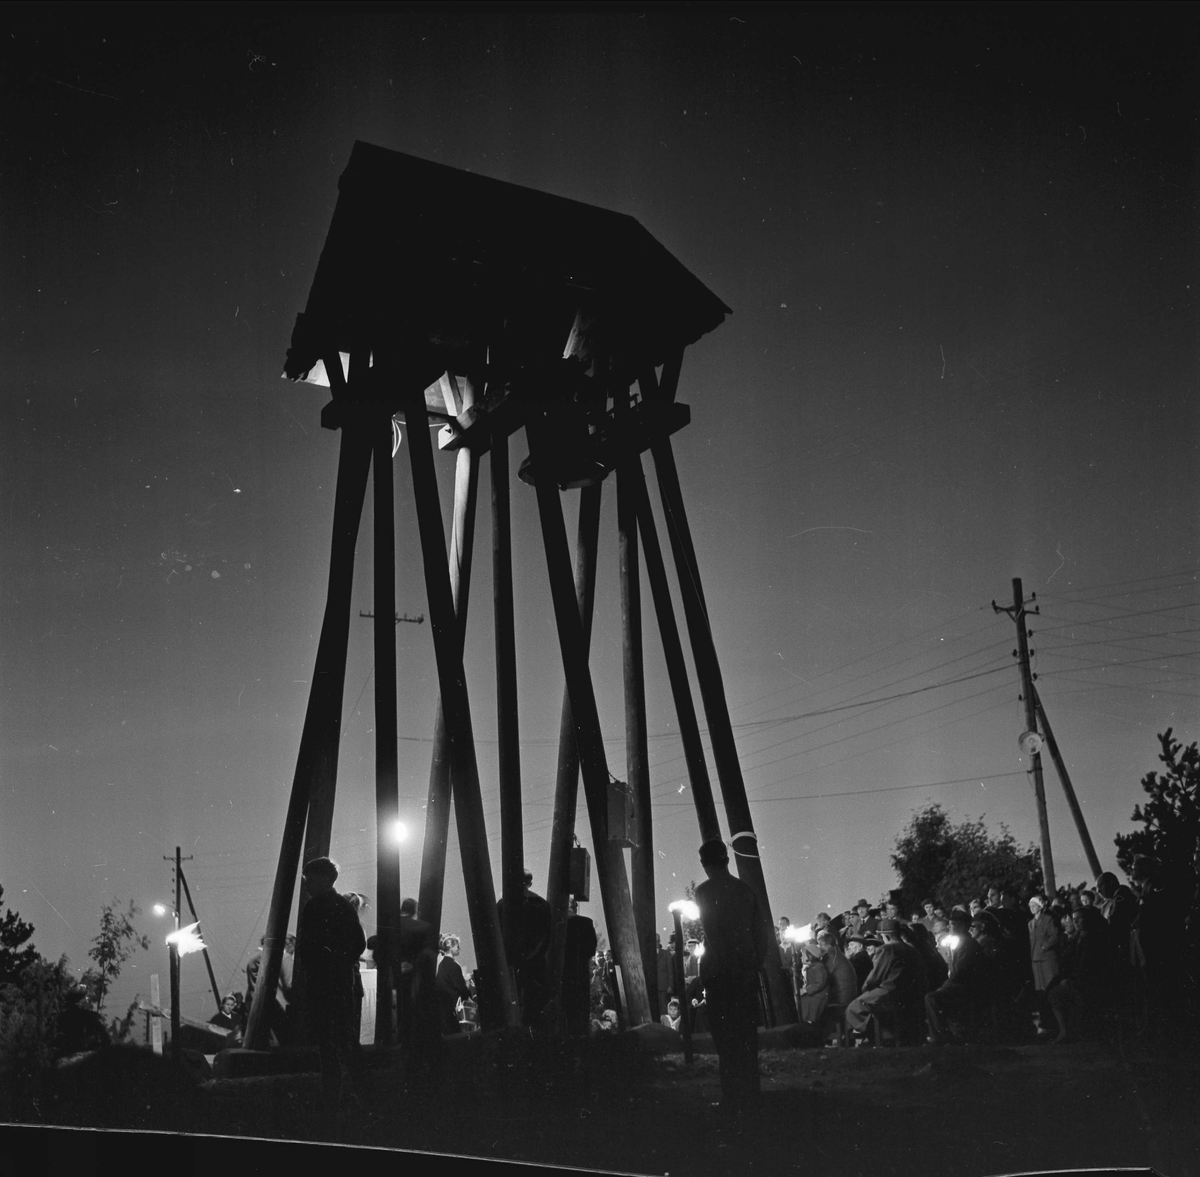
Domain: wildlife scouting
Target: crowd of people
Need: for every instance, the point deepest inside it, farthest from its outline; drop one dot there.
(997, 965)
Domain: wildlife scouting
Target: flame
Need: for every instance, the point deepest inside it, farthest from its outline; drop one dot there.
(187, 940)
(686, 908)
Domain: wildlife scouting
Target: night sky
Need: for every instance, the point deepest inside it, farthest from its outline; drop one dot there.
(960, 248)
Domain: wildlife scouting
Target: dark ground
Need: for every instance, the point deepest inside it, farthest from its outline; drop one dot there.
(957, 1111)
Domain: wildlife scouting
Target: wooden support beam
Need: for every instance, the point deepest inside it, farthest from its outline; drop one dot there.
(316, 761)
(610, 863)
(438, 797)
(512, 837)
(499, 1001)
(712, 689)
(566, 787)
(681, 691)
(636, 753)
(1085, 837)
(387, 768)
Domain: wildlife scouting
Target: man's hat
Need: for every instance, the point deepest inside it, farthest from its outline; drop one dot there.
(960, 915)
(862, 903)
(893, 926)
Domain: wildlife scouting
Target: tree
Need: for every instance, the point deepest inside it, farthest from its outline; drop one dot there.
(16, 954)
(1170, 816)
(117, 942)
(935, 859)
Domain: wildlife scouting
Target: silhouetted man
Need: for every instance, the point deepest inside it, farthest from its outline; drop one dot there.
(329, 942)
(416, 981)
(736, 944)
(578, 951)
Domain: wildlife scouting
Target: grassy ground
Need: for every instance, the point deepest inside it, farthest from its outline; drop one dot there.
(957, 1111)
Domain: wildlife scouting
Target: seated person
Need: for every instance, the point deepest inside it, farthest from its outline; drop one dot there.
(922, 940)
(967, 985)
(673, 1016)
(897, 981)
(843, 980)
(859, 958)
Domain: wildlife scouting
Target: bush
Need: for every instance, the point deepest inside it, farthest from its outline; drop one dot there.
(31, 1009)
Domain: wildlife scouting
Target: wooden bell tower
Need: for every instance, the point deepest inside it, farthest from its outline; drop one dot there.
(445, 296)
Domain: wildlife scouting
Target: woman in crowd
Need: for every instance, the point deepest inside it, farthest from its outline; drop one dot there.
(812, 985)
(451, 984)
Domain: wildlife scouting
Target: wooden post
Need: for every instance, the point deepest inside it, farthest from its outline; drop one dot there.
(610, 863)
(1072, 801)
(566, 788)
(1039, 786)
(685, 708)
(636, 755)
(316, 761)
(512, 837)
(437, 806)
(742, 837)
(387, 768)
(212, 977)
(175, 1017)
(447, 642)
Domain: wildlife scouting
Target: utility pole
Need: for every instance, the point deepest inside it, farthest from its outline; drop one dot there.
(174, 958)
(1052, 745)
(1018, 613)
(208, 963)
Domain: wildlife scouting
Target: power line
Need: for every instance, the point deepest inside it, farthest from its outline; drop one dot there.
(864, 792)
(868, 702)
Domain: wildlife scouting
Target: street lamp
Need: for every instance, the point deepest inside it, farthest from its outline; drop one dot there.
(681, 909)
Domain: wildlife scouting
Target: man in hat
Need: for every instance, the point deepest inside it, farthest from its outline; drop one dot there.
(966, 985)
(859, 958)
(897, 980)
(329, 942)
(736, 944)
(857, 923)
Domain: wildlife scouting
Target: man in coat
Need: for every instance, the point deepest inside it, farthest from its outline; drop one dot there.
(580, 947)
(532, 966)
(966, 985)
(329, 941)
(415, 973)
(897, 980)
(736, 945)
